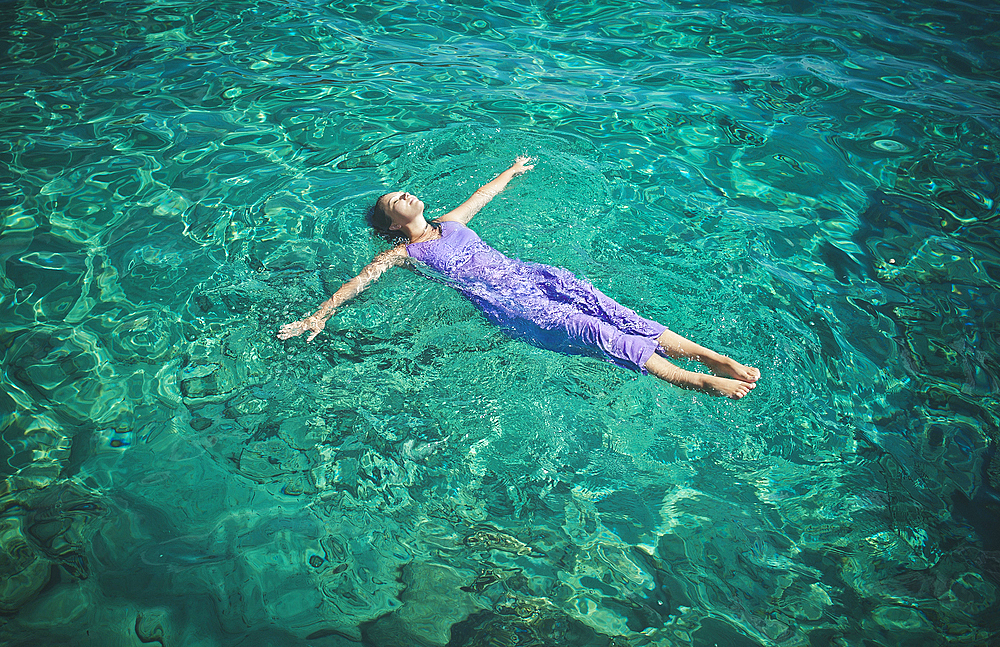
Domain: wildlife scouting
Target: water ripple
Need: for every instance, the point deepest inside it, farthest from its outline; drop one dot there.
(811, 187)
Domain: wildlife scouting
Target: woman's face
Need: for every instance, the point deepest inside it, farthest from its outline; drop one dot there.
(402, 207)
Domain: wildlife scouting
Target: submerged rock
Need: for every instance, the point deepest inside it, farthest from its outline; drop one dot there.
(496, 540)
(43, 528)
(23, 572)
(433, 601)
(527, 621)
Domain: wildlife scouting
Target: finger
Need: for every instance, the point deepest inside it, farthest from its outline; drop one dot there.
(290, 330)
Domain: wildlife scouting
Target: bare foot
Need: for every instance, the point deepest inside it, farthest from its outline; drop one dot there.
(709, 384)
(734, 389)
(673, 345)
(728, 366)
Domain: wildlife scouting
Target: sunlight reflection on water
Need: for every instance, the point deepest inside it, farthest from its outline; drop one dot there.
(808, 187)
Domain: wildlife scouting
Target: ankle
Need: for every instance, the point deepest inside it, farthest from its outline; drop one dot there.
(687, 379)
(713, 357)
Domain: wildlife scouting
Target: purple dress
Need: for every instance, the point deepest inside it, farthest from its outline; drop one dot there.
(544, 305)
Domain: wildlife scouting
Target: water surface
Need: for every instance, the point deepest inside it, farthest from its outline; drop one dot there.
(809, 187)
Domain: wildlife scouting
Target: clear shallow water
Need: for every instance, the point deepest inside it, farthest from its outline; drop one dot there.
(809, 187)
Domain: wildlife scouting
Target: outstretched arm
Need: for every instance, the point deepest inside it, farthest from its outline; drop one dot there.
(315, 322)
(464, 212)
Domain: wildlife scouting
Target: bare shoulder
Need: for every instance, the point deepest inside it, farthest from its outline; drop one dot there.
(390, 257)
(464, 212)
(452, 216)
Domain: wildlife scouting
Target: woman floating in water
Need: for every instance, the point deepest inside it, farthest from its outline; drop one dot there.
(546, 305)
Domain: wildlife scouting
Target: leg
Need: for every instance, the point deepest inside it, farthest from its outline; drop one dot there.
(670, 342)
(710, 384)
(676, 346)
(638, 351)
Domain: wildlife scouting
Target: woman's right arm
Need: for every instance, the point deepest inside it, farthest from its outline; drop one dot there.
(315, 322)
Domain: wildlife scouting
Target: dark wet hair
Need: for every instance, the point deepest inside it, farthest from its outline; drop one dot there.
(380, 222)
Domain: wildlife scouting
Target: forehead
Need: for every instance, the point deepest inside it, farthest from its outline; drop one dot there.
(385, 199)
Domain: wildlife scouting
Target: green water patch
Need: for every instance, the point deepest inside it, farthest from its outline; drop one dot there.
(809, 188)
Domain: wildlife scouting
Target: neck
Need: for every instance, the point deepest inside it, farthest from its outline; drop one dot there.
(415, 231)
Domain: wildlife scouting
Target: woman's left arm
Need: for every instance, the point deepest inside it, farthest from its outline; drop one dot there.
(464, 212)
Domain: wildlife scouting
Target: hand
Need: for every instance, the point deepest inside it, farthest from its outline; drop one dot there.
(296, 328)
(521, 164)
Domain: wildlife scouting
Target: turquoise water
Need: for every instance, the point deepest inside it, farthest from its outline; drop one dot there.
(809, 187)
